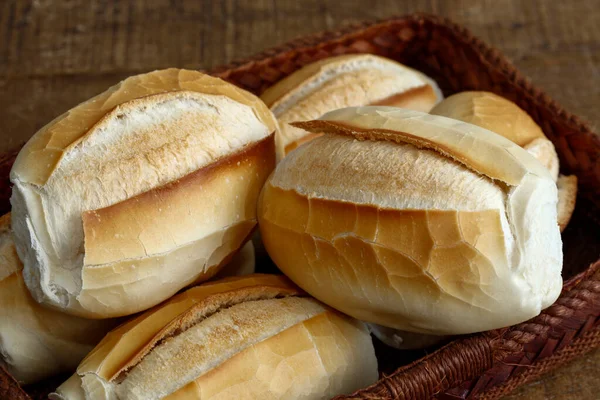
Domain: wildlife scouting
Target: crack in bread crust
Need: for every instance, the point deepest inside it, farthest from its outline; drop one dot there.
(198, 313)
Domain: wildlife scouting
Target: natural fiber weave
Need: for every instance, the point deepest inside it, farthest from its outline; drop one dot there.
(578, 347)
(490, 364)
(469, 367)
(9, 388)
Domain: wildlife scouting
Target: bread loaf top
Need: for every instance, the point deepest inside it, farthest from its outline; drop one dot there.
(344, 81)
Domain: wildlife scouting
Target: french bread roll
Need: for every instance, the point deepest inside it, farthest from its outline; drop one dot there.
(344, 81)
(139, 192)
(36, 342)
(505, 118)
(256, 337)
(415, 222)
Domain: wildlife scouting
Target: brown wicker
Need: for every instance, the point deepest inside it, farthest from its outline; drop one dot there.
(490, 364)
(9, 388)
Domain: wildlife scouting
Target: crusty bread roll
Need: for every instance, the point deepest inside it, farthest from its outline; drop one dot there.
(344, 81)
(140, 191)
(416, 222)
(505, 118)
(256, 337)
(36, 342)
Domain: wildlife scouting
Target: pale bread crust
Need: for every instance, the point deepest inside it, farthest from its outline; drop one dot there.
(126, 345)
(543, 150)
(36, 342)
(394, 261)
(143, 225)
(492, 112)
(152, 214)
(567, 197)
(178, 209)
(194, 351)
(385, 252)
(36, 161)
(505, 118)
(468, 144)
(344, 81)
(114, 360)
(332, 353)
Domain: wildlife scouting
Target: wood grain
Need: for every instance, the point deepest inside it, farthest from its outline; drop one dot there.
(55, 54)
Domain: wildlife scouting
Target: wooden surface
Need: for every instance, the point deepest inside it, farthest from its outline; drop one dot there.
(55, 54)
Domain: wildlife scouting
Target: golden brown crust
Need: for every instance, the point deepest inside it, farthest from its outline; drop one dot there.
(344, 81)
(375, 253)
(157, 181)
(263, 370)
(113, 233)
(38, 158)
(485, 167)
(567, 197)
(505, 118)
(381, 219)
(199, 311)
(491, 112)
(259, 335)
(283, 88)
(128, 343)
(418, 99)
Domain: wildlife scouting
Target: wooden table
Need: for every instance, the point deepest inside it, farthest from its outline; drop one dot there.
(55, 54)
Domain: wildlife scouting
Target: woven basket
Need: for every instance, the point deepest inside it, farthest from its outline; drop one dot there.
(490, 364)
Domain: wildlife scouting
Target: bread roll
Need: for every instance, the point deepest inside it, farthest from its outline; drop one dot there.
(256, 337)
(415, 222)
(343, 81)
(36, 342)
(139, 192)
(505, 118)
